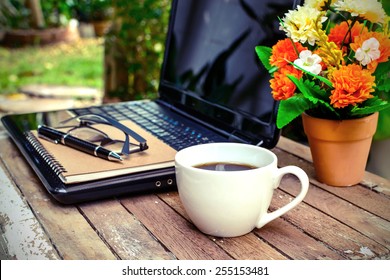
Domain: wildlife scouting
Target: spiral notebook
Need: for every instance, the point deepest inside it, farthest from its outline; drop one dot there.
(73, 166)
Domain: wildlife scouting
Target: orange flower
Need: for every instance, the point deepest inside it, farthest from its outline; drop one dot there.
(384, 47)
(284, 52)
(282, 87)
(352, 85)
(337, 33)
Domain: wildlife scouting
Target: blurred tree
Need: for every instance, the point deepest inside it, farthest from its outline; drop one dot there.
(134, 48)
(36, 18)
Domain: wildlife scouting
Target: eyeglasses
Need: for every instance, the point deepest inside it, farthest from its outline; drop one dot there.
(94, 128)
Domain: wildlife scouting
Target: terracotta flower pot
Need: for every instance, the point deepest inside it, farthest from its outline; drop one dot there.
(340, 148)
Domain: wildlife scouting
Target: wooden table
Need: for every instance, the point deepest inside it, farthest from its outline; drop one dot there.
(331, 223)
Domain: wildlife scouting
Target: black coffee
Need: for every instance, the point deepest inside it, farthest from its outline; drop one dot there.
(224, 166)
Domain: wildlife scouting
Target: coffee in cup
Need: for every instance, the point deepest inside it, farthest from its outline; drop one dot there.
(227, 188)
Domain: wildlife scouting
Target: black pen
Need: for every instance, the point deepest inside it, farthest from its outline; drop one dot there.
(66, 139)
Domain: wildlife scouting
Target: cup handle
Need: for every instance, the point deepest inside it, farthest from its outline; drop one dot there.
(303, 178)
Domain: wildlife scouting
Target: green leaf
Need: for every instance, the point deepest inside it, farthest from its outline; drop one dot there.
(313, 93)
(291, 108)
(371, 106)
(382, 76)
(304, 88)
(264, 53)
(382, 69)
(316, 90)
(273, 70)
(383, 85)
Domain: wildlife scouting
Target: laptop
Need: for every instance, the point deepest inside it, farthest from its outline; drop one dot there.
(212, 89)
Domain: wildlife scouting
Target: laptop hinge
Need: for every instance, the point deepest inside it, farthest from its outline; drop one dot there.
(230, 136)
(234, 136)
(237, 136)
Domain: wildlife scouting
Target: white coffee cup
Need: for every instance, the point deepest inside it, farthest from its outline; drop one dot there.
(232, 203)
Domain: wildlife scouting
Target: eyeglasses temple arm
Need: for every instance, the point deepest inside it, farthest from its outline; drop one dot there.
(142, 142)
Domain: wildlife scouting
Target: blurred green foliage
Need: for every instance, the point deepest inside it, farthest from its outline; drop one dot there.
(92, 10)
(15, 14)
(137, 38)
(386, 6)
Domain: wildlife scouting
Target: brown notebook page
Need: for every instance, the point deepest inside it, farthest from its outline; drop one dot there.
(81, 167)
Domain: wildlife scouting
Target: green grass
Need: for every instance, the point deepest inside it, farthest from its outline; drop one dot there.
(79, 63)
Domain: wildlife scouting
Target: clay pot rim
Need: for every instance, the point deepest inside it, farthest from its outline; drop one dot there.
(352, 128)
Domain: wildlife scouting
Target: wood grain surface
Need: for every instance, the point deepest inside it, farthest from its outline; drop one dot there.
(331, 222)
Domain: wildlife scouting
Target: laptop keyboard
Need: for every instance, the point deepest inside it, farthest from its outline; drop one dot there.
(159, 122)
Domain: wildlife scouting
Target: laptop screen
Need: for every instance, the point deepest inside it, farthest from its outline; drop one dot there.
(210, 65)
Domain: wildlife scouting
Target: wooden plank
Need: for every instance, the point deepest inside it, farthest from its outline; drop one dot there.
(124, 234)
(376, 183)
(247, 247)
(293, 242)
(335, 234)
(173, 200)
(359, 219)
(22, 237)
(286, 239)
(373, 202)
(295, 148)
(371, 181)
(177, 234)
(70, 233)
(376, 203)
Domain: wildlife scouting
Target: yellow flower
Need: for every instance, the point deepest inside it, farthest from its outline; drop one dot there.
(301, 24)
(317, 4)
(371, 10)
(330, 53)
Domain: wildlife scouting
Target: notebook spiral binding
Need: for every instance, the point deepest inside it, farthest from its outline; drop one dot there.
(47, 157)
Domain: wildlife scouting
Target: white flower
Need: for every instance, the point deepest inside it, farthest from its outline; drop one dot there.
(309, 62)
(368, 52)
(371, 10)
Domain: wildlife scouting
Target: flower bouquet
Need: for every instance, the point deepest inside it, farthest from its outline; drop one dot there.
(333, 69)
(334, 63)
